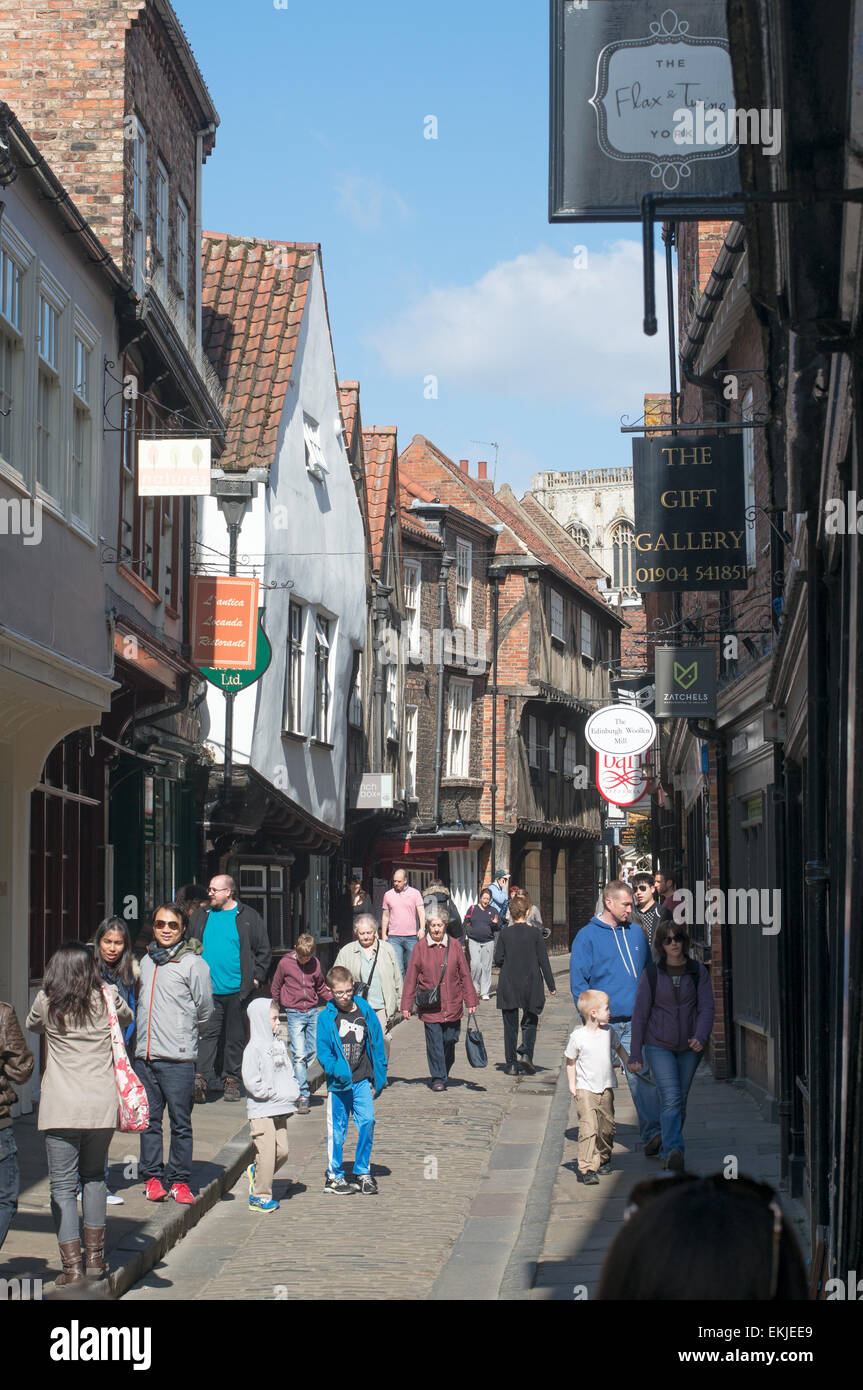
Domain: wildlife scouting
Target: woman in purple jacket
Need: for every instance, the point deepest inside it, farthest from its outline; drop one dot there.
(671, 1021)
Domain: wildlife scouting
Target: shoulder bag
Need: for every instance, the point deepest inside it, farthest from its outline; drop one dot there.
(131, 1096)
(427, 999)
(362, 987)
(476, 1053)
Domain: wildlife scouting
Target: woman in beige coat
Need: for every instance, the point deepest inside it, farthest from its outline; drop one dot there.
(78, 1109)
(374, 963)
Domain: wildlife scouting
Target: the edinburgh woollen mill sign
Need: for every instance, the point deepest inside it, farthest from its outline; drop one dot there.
(690, 513)
(639, 96)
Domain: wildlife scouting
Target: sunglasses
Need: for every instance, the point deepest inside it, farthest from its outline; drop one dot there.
(673, 936)
(163, 922)
(644, 1192)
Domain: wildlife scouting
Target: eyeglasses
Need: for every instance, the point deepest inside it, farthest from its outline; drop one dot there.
(343, 993)
(643, 1192)
(163, 922)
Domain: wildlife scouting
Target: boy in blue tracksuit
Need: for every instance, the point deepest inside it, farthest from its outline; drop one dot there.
(609, 954)
(350, 1045)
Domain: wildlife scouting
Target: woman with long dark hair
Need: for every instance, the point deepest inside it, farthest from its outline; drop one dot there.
(78, 1107)
(671, 1021)
(112, 947)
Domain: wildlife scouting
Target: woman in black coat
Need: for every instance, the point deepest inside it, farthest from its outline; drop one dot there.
(520, 952)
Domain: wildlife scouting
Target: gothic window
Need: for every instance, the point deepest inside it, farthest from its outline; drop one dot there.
(622, 545)
(580, 536)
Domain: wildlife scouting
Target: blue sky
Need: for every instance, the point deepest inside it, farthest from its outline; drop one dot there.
(438, 256)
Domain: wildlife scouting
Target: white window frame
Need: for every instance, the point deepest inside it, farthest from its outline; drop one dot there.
(460, 703)
(555, 615)
(463, 582)
(412, 582)
(17, 460)
(56, 370)
(139, 206)
(182, 247)
(90, 404)
(586, 635)
(316, 464)
(292, 713)
(324, 637)
(391, 699)
(532, 742)
(570, 754)
(161, 236)
(747, 412)
(410, 741)
(355, 703)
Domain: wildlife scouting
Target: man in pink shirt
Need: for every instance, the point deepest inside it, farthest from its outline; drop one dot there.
(403, 919)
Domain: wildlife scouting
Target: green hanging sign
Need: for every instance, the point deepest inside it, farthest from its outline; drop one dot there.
(230, 681)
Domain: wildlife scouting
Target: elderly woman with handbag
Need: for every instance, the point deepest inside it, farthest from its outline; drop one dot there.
(377, 975)
(78, 1109)
(438, 979)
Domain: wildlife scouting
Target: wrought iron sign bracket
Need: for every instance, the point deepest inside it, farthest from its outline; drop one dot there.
(707, 207)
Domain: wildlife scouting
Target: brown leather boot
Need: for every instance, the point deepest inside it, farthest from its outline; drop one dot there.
(94, 1248)
(73, 1269)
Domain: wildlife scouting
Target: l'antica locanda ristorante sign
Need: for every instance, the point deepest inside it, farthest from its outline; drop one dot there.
(690, 513)
(629, 82)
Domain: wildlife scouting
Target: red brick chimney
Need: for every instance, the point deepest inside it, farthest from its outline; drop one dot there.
(464, 466)
(482, 471)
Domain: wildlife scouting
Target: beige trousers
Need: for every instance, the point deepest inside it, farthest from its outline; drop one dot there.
(270, 1136)
(595, 1128)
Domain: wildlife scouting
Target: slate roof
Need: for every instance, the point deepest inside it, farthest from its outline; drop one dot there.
(254, 295)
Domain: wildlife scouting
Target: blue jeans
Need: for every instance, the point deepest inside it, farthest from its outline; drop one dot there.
(303, 1030)
(358, 1101)
(645, 1097)
(673, 1073)
(403, 947)
(10, 1181)
(171, 1084)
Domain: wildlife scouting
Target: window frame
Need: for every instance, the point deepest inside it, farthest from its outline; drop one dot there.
(414, 568)
(552, 749)
(618, 552)
(556, 616)
(19, 336)
(83, 332)
(532, 741)
(463, 605)
(391, 701)
(55, 370)
(461, 752)
(181, 262)
(410, 742)
(323, 639)
(316, 464)
(586, 635)
(162, 228)
(294, 663)
(139, 207)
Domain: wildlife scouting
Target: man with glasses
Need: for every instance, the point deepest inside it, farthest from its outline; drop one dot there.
(351, 1051)
(609, 954)
(237, 950)
(645, 911)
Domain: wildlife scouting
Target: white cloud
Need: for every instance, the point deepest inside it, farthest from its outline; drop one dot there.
(369, 203)
(537, 326)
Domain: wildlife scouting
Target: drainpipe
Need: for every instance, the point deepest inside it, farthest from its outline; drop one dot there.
(445, 567)
(817, 873)
(494, 633)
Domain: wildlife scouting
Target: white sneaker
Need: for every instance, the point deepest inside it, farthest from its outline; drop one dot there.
(485, 996)
(114, 1200)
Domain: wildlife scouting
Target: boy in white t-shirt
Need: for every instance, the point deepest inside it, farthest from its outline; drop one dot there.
(590, 1073)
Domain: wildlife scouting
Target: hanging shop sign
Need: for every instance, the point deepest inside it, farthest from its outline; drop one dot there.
(371, 792)
(636, 691)
(173, 467)
(642, 101)
(690, 513)
(224, 622)
(618, 729)
(232, 679)
(621, 777)
(685, 682)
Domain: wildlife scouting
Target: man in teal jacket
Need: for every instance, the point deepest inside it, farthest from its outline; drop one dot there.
(609, 954)
(350, 1045)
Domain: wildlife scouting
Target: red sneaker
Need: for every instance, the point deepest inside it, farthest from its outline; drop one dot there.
(182, 1193)
(154, 1191)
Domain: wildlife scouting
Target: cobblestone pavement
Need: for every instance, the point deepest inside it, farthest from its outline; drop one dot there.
(453, 1169)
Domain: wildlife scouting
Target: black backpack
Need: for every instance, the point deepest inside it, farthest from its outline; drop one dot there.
(650, 971)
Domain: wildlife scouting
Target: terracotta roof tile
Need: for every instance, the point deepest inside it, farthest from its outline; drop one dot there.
(253, 295)
(380, 455)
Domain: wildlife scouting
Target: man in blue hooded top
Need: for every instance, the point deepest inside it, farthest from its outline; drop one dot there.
(609, 954)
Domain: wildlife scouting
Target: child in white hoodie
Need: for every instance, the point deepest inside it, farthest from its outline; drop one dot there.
(268, 1077)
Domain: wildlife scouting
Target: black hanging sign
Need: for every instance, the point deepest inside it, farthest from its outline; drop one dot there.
(690, 513)
(639, 96)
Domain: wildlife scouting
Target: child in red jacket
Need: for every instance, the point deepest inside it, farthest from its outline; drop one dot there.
(299, 988)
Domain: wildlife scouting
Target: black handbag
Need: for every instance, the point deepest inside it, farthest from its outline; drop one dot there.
(474, 1045)
(427, 999)
(362, 987)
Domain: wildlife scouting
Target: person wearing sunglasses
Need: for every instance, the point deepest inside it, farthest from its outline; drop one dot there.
(174, 1004)
(671, 1022)
(709, 1239)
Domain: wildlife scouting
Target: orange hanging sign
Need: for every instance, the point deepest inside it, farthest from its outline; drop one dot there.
(224, 622)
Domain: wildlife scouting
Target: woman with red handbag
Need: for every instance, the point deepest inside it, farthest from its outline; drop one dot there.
(78, 1106)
